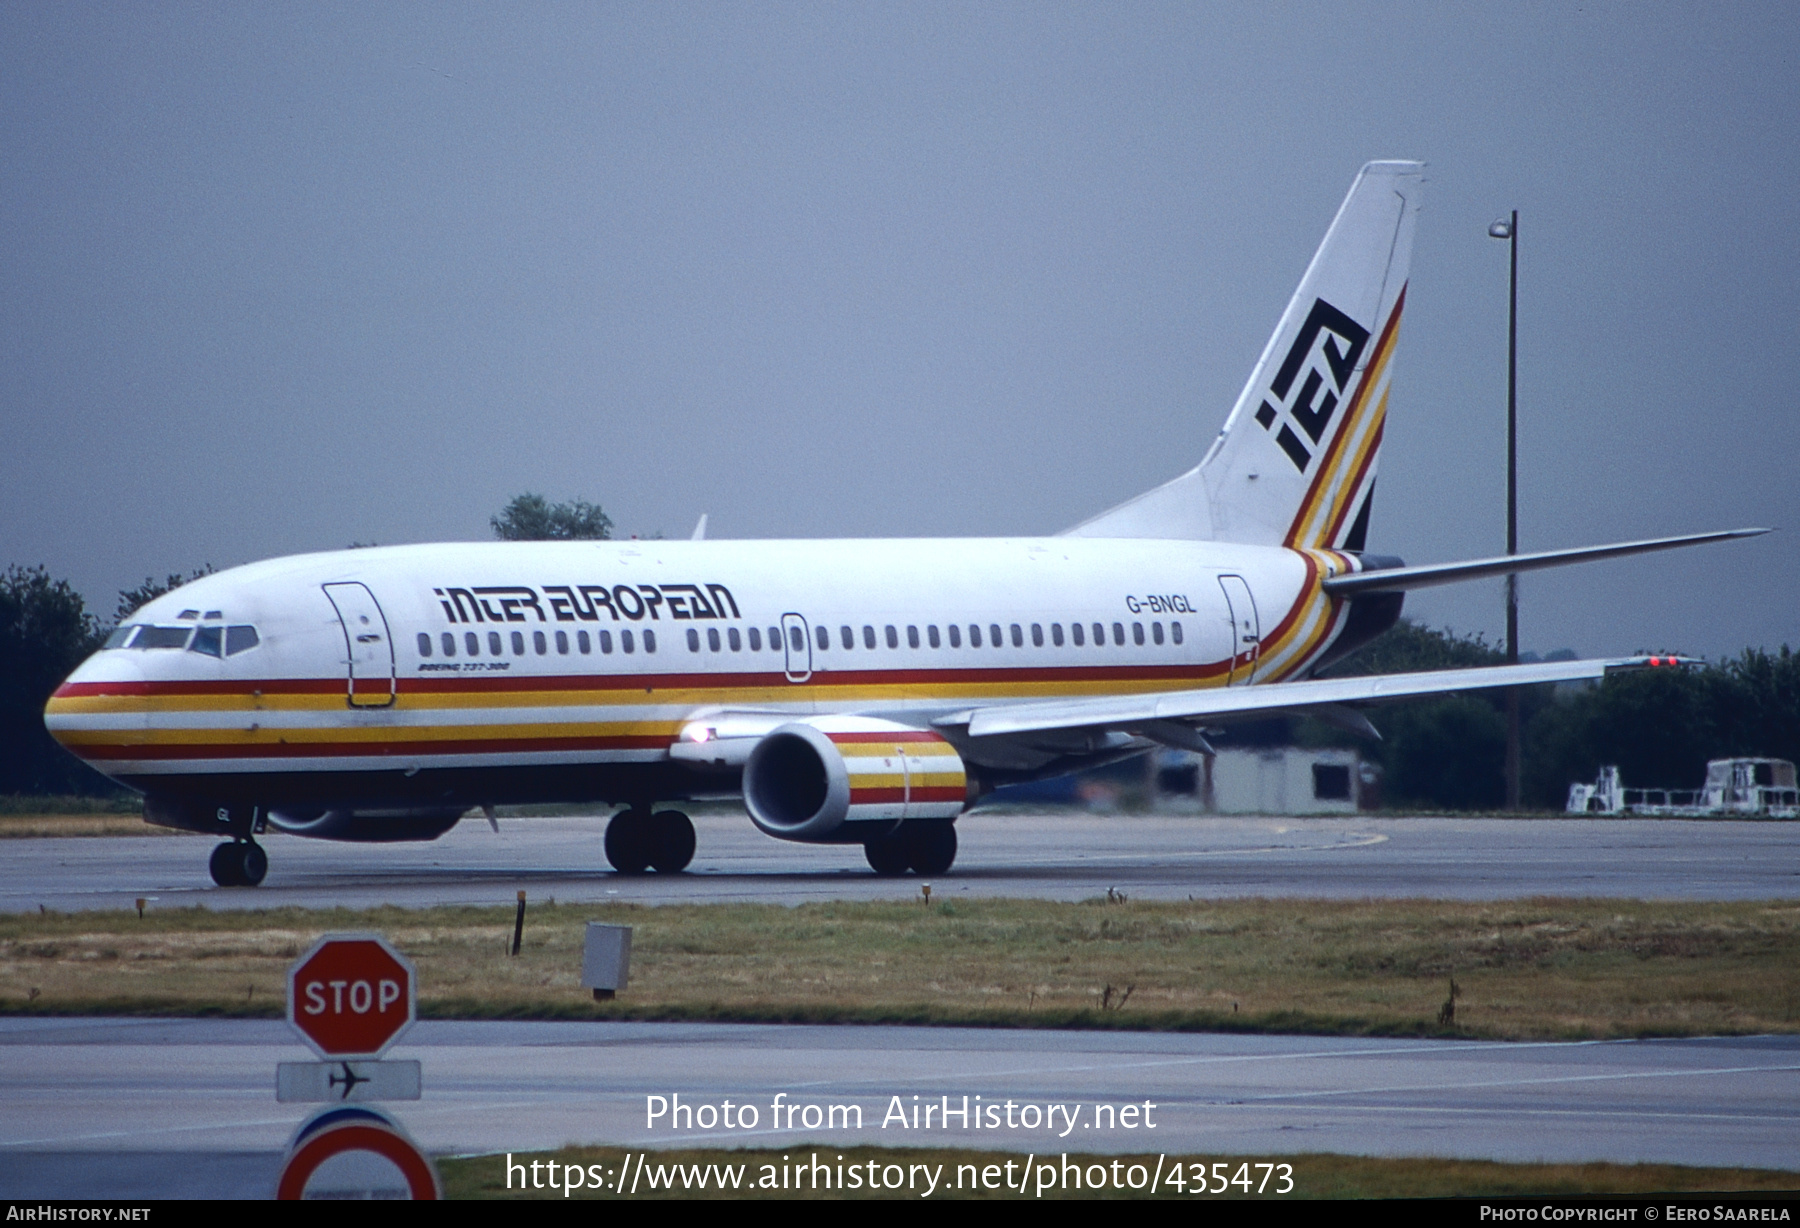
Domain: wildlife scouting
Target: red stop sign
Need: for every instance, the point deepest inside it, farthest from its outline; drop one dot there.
(351, 995)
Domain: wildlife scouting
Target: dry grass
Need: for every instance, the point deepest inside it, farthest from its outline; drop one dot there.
(31, 816)
(1525, 969)
(98, 824)
(1314, 1176)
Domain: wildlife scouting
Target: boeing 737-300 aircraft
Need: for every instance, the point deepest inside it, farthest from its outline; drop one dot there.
(848, 691)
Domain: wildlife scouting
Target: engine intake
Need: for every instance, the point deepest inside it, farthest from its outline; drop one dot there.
(848, 779)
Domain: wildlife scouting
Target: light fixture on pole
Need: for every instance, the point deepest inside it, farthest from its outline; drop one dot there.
(1508, 229)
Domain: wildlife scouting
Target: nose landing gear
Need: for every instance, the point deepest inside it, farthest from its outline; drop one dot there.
(239, 863)
(637, 840)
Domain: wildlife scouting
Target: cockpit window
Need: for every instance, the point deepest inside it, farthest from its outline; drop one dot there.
(209, 640)
(240, 638)
(119, 636)
(162, 637)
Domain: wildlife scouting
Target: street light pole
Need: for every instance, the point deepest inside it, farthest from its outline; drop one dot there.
(1509, 230)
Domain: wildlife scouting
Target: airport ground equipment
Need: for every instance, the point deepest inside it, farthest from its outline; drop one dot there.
(1734, 788)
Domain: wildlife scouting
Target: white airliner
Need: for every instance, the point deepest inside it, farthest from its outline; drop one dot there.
(848, 691)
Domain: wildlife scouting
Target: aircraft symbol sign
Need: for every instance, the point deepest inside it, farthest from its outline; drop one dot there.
(351, 996)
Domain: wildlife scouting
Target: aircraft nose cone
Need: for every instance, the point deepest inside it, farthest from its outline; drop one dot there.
(99, 707)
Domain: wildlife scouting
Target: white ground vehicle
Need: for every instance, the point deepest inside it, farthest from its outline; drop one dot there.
(1760, 787)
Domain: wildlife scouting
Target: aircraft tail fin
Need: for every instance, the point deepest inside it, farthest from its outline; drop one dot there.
(1294, 464)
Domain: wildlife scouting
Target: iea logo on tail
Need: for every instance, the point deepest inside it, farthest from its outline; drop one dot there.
(352, 996)
(1313, 408)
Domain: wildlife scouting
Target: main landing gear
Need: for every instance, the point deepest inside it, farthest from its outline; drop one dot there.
(239, 863)
(637, 840)
(923, 848)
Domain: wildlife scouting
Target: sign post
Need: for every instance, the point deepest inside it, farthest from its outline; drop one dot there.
(350, 997)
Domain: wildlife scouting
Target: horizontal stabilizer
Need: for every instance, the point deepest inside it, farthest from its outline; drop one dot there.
(1400, 579)
(1129, 711)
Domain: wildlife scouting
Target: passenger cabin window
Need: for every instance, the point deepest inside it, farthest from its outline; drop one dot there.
(774, 639)
(472, 643)
(583, 644)
(649, 640)
(1137, 634)
(626, 642)
(755, 640)
(605, 643)
(893, 637)
(449, 641)
(847, 637)
(868, 636)
(734, 639)
(1156, 632)
(494, 643)
(994, 635)
(912, 637)
(562, 643)
(693, 639)
(1056, 634)
(955, 636)
(518, 644)
(1119, 634)
(931, 635)
(424, 643)
(1018, 636)
(1037, 635)
(796, 640)
(823, 635)
(1100, 636)
(712, 638)
(1076, 634)
(538, 643)
(1175, 632)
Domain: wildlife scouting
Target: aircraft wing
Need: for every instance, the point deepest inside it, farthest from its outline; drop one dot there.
(1128, 711)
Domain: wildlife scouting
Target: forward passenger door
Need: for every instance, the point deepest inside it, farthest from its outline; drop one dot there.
(369, 648)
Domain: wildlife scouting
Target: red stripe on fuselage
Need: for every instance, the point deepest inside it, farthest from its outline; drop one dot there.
(821, 676)
(371, 750)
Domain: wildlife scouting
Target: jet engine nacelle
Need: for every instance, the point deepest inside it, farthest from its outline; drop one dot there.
(364, 826)
(849, 779)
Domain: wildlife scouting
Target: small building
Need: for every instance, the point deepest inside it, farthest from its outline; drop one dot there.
(1267, 780)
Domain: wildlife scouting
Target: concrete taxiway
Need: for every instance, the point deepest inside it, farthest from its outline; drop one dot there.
(1049, 856)
(146, 1108)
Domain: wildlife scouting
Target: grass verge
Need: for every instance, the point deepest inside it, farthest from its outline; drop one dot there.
(679, 1174)
(26, 815)
(1532, 969)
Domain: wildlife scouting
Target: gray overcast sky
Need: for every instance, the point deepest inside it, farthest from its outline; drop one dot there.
(280, 278)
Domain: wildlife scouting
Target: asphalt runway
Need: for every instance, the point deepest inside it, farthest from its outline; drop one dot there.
(186, 1108)
(1052, 856)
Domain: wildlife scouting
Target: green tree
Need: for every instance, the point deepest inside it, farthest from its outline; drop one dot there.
(533, 518)
(1407, 648)
(45, 632)
(1660, 726)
